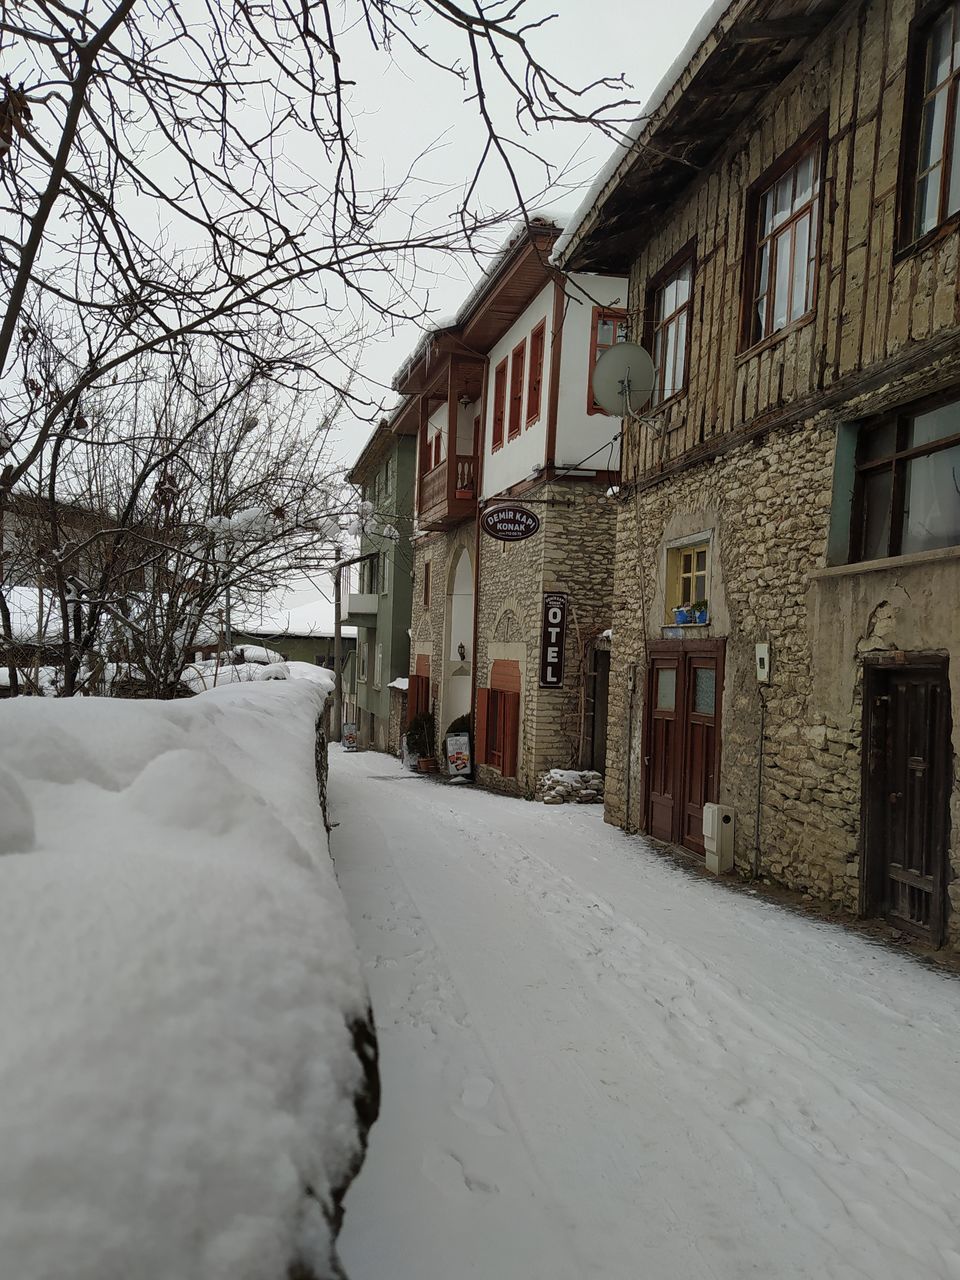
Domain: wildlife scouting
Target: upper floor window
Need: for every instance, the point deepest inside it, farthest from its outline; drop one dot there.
(907, 491)
(935, 104)
(609, 326)
(784, 230)
(517, 362)
(538, 341)
(670, 297)
(499, 403)
(426, 584)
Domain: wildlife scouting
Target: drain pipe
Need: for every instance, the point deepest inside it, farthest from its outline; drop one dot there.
(756, 847)
(632, 679)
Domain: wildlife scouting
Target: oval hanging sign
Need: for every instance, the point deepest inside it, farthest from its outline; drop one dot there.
(509, 524)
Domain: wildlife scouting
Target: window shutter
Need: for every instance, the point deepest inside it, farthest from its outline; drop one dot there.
(511, 733)
(480, 726)
(416, 697)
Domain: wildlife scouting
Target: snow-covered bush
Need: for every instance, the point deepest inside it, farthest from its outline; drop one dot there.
(187, 1070)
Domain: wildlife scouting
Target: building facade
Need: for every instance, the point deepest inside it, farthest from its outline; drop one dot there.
(377, 592)
(500, 403)
(786, 622)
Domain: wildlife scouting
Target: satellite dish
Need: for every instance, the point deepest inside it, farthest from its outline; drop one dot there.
(623, 378)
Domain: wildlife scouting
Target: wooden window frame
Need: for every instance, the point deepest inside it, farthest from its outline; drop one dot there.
(518, 360)
(362, 661)
(658, 282)
(499, 405)
(674, 573)
(599, 314)
(750, 340)
(896, 462)
(538, 346)
(914, 99)
(426, 584)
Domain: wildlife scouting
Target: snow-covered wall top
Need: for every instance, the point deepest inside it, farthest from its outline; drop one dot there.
(177, 987)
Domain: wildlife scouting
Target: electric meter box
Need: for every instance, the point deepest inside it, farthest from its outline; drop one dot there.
(718, 838)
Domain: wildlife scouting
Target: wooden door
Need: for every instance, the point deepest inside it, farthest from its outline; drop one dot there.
(700, 745)
(682, 738)
(661, 754)
(906, 780)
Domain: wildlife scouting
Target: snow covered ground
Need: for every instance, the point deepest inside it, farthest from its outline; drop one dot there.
(178, 990)
(598, 1066)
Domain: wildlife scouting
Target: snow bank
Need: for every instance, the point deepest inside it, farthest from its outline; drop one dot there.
(180, 996)
(210, 674)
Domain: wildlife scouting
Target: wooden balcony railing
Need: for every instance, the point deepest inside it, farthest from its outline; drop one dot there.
(435, 507)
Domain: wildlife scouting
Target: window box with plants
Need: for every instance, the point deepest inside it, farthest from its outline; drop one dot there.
(696, 614)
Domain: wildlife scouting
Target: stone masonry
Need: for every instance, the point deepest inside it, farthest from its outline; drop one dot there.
(572, 552)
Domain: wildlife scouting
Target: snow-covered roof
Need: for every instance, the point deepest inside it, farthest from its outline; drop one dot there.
(401, 682)
(310, 618)
(625, 151)
(537, 221)
(34, 615)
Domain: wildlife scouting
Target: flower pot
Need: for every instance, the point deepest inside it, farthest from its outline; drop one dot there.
(702, 616)
(427, 764)
(682, 617)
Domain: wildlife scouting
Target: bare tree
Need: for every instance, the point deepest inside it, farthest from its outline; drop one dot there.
(187, 177)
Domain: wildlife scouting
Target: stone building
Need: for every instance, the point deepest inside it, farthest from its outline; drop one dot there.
(376, 598)
(504, 418)
(789, 220)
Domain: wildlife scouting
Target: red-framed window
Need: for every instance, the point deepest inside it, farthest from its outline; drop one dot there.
(931, 194)
(669, 301)
(517, 363)
(538, 340)
(607, 327)
(783, 242)
(499, 403)
(426, 584)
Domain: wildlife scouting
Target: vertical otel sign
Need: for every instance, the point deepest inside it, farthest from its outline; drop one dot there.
(552, 636)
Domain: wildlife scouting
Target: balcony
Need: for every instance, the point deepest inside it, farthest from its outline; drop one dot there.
(359, 608)
(448, 493)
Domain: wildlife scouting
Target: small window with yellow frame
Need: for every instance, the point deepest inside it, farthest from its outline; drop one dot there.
(687, 583)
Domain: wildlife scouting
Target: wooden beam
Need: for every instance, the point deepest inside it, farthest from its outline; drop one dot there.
(774, 29)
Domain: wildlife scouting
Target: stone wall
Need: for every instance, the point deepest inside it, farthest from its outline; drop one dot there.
(767, 506)
(572, 552)
(428, 627)
(398, 720)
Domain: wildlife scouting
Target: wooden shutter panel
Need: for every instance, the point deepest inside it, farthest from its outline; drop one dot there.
(417, 697)
(480, 726)
(511, 733)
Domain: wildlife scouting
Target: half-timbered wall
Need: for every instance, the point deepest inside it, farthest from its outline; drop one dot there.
(873, 306)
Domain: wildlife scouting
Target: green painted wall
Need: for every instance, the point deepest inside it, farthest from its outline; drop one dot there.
(390, 487)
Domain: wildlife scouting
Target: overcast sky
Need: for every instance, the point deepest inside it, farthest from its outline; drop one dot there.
(405, 106)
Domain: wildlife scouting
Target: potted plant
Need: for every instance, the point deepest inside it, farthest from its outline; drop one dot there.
(700, 612)
(682, 615)
(421, 736)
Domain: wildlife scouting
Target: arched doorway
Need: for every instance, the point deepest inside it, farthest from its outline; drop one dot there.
(458, 647)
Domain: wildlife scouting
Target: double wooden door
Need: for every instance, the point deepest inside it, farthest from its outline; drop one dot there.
(906, 773)
(682, 738)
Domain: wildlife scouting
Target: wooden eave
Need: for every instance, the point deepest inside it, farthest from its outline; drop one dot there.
(406, 419)
(510, 290)
(747, 54)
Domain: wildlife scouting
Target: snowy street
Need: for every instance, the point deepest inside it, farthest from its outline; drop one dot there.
(597, 1065)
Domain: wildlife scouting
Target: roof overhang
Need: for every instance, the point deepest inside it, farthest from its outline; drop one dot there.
(748, 51)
